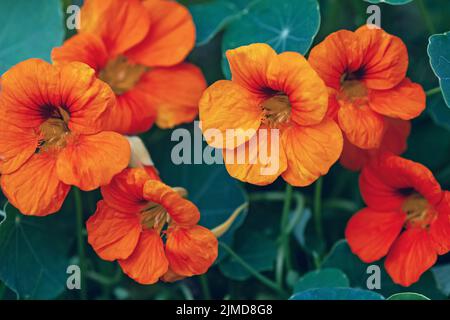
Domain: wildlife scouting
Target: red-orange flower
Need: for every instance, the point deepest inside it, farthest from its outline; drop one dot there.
(138, 48)
(365, 72)
(271, 94)
(52, 134)
(137, 212)
(407, 218)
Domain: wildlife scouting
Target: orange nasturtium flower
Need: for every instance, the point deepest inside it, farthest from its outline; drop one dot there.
(52, 134)
(407, 218)
(138, 48)
(137, 212)
(365, 72)
(271, 91)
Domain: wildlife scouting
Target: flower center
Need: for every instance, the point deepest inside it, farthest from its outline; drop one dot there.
(276, 110)
(54, 131)
(155, 216)
(419, 211)
(121, 74)
(353, 91)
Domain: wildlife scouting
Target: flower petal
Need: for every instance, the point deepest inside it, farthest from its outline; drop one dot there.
(174, 93)
(120, 24)
(260, 160)
(291, 74)
(410, 256)
(191, 251)
(362, 127)
(232, 112)
(113, 234)
(338, 54)
(35, 188)
(17, 145)
(89, 162)
(171, 36)
(126, 190)
(371, 233)
(249, 66)
(389, 179)
(440, 228)
(385, 58)
(405, 101)
(182, 211)
(311, 151)
(83, 47)
(148, 262)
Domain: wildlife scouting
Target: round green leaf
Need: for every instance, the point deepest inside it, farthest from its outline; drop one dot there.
(393, 2)
(289, 25)
(342, 258)
(30, 29)
(407, 296)
(211, 17)
(324, 278)
(439, 53)
(442, 275)
(257, 250)
(439, 111)
(34, 253)
(337, 294)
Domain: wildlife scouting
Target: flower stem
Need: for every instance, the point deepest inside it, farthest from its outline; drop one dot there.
(263, 279)
(283, 249)
(80, 242)
(318, 208)
(205, 287)
(426, 17)
(433, 91)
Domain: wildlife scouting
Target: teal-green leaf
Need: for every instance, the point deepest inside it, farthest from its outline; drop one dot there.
(211, 17)
(30, 29)
(342, 258)
(408, 296)
(442, 275)
(209, 187)
(254, 248)
(289, 25)
(34, 253)
(439, 111)
(439, 53)
(393, 2)
(337, 294)
(323, 278)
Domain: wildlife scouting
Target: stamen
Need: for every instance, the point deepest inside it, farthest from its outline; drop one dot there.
(122, 75)
(276, 110)
(419, 211)
(55, 130)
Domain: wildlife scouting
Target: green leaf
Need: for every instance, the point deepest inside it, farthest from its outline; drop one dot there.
(209, 187)
(289, 25)
(342, 258)
(439, 53)
(34, 253)
(257, 250)
(211, 17)
(408, 296)
(393, 2)
(324, 278)
(442, 275)
(337, 294)
(439, 111)
(30, 29)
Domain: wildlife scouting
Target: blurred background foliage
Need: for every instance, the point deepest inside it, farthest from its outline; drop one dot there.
(265, 255)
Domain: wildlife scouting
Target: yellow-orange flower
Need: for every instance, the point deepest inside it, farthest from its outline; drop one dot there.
(365, 72)
(52, 121)
(136, 213)
(272, 91)
(138, 48)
